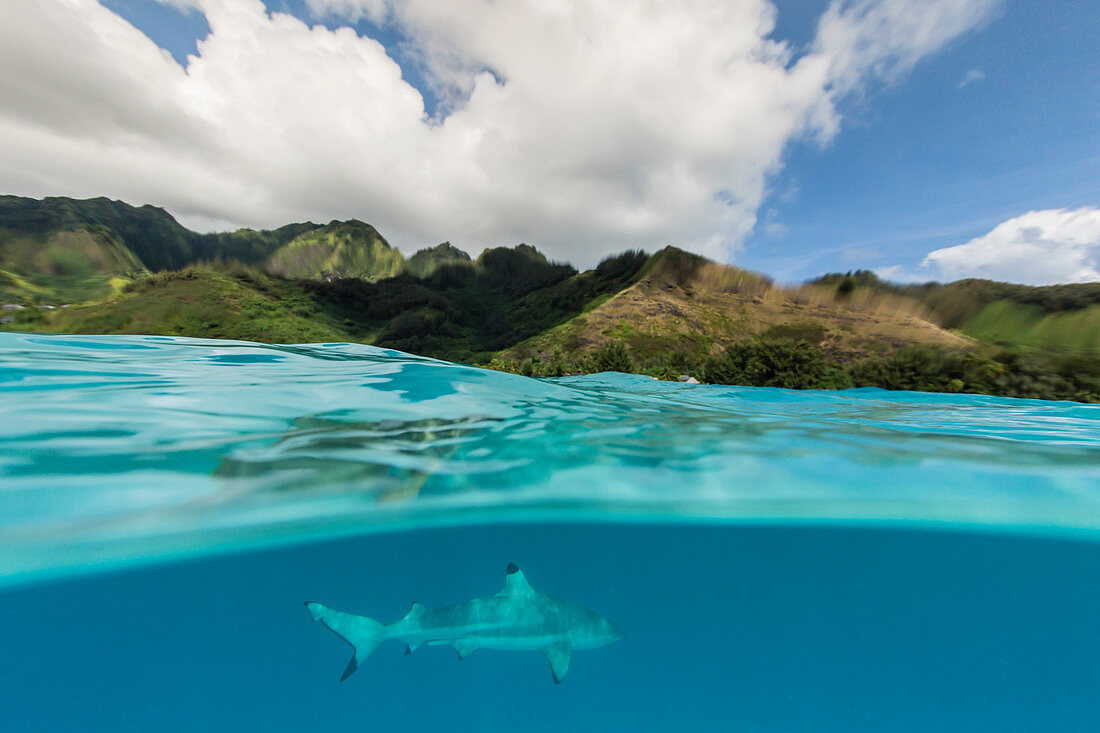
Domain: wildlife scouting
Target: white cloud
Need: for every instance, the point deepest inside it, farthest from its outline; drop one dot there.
(352, 10)
(888, 37)
(1037, 248)
(900, 274)
(773, 228)
(606, 126)
(974, 75)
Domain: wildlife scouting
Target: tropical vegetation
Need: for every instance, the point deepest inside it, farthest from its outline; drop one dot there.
(101, 266)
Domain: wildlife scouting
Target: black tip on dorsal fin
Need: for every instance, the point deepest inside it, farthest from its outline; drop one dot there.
(512, 568)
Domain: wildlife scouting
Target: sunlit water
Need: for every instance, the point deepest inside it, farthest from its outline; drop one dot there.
(778, 560)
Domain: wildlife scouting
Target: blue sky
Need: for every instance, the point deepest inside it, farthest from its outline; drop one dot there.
(924, 164)
(971, 146)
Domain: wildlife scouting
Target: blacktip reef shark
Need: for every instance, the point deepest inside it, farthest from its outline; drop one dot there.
(518, 618)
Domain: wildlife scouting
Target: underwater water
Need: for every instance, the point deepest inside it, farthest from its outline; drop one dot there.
(777, 560)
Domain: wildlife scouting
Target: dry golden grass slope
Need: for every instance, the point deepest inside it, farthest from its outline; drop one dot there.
(689, 304)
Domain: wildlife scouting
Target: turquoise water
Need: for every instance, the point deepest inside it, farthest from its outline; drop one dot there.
(778, 559)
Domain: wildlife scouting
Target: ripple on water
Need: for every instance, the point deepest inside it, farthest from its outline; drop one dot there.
(118, 448)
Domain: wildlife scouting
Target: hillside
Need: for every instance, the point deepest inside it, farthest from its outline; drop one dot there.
(463, 312)
(81, 263)
(59, 250)
(153, 237)
(468, 311)
(1055, 317)
(339, 249)
(428, 260)
(667, 315)
(686, 305)
(204, 303)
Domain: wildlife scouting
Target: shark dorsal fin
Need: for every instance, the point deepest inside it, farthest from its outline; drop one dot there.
(515, 584)
(415, 611)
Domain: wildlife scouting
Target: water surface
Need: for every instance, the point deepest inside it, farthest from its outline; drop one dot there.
(779, 560)
(123, 448)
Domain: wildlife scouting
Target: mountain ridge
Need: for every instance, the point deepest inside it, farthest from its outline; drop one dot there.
(665, 314)
(156, 242)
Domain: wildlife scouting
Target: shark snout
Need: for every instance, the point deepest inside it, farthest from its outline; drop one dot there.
(614, 632)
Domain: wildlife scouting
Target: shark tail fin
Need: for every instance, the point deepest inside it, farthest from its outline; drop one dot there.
(361, 633)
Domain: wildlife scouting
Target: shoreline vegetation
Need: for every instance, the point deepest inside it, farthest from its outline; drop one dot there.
(103, 267)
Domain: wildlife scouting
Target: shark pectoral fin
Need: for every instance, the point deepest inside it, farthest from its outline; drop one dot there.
(464, 647)
(350, 669)
(558, 654)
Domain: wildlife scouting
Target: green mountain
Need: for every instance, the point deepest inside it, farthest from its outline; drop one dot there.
(153, 237)
(338, 249)
(428, 260)
(687, 306)
(469, 311)
(81, 262)
(465, 312)
(667, 314)
(57, 249)
(1054, 317)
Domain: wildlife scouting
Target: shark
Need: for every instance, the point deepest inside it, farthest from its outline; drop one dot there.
(518, 618)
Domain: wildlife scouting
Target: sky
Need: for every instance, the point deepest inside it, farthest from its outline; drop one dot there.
(922, 139)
